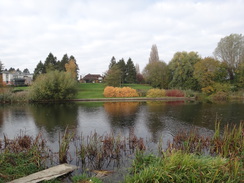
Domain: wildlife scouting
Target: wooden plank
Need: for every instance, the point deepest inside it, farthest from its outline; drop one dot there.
(47, 174)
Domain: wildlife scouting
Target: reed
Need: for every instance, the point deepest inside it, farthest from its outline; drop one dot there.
(230, 144)
(64, 143)
(177, 166)
(100, 151)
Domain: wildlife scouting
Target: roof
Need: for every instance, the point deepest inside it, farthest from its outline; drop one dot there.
(92, 76)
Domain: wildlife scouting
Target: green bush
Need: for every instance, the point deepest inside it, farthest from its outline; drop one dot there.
(156, 93)
(190, 93)
(54, 86)
(223, 87)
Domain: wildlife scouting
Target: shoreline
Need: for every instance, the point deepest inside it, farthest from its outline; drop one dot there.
(132, 99)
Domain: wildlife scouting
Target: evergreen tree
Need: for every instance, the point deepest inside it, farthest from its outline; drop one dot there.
(40, 69)
(130, 72)
(122, 66)
(26, 71)
(61, 64)
(112, 62)
(113, 76)
(50, 63)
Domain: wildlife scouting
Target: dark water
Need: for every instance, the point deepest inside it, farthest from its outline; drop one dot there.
(147, 119)
(150, 120)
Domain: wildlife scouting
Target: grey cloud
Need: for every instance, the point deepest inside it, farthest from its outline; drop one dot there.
(94, 31)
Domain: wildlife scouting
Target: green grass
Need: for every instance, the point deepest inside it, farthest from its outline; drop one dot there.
(138, 86)
(21, 88)
(16, 165)
(95, 90)
(90, 90)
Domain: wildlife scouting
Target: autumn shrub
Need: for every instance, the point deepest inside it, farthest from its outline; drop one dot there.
(54, 86)
(223, 87)
(5, 94)
(208, 90)
(156, 93)
(175, 93)
(219, 96)
(110, 91)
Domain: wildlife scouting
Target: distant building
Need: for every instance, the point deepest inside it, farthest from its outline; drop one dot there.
(92, 78)
(16, 78)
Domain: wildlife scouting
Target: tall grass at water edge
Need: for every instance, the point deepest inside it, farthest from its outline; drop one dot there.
(188, 158)
(22, 156)
(194, 158)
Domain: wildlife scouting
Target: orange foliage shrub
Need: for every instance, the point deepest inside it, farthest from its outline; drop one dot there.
(110, 91)
(208, 90)
(156, 93)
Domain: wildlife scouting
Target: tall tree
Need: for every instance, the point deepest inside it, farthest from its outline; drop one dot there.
(208, 71)
(230, 49)
(72, 67)
(113, 76)
(240, 76)
(156, 74)
(61, 64)
(40, 69)
(122, 66)
(130, 72)
(112, 62)
(50, 63)
(154, 54)
(181, 70)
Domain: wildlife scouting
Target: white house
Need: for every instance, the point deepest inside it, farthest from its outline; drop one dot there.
(17, 78)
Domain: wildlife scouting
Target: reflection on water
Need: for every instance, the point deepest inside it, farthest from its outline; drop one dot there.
(121, 114)
(146, 119)
(53, 116)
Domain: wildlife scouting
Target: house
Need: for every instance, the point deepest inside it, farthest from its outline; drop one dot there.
(92, 78)
(16, 78)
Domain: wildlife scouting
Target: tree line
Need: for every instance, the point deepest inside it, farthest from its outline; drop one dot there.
(187, 70)
(66, 64)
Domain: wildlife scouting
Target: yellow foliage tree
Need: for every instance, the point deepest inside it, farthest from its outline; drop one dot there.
(72, 67)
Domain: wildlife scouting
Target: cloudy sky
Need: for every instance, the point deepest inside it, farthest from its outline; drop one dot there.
(95, 30)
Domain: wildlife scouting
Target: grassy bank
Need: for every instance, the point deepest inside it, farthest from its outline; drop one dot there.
(95, 90)
(90, 90)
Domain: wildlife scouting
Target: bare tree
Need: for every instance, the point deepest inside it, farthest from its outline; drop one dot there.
(154, 54)
(230, 49)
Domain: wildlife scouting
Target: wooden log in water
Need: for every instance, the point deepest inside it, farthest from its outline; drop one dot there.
(48, 174)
